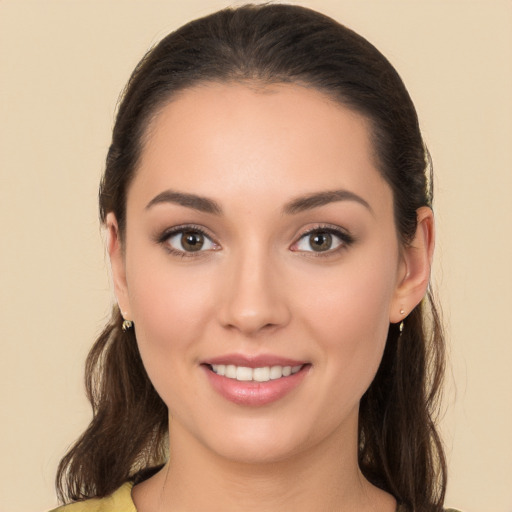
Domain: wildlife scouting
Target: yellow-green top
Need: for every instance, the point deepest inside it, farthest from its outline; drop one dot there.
(121, 501)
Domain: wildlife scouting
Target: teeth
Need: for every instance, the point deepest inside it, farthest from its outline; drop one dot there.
(276, 372)
(243, 373)
(263, 374)
(230, 371)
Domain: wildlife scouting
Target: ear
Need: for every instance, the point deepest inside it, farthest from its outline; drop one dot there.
(117, 265)
(414, 269)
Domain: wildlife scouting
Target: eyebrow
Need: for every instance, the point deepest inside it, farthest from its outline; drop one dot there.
(318, 199)
(202, 204)
(300, 204)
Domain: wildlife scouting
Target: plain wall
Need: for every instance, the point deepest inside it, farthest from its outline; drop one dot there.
(62, 66)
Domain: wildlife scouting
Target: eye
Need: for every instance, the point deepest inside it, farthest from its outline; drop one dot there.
(322, 240)
(188, 240)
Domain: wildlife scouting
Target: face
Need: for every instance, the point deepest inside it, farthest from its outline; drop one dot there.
(260, 266)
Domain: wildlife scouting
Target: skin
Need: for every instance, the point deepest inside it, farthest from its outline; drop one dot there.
(260, 288)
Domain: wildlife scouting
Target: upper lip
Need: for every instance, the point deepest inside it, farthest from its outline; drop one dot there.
(256, 361)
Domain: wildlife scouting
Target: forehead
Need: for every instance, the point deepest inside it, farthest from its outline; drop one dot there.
(279, 139)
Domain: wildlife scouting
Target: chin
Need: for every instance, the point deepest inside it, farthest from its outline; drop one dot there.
(265, 442)
(257, 453)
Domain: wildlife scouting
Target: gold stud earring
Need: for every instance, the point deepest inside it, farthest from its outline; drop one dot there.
(127, 324)
(401, 326)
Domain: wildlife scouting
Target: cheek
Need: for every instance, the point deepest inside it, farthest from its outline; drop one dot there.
(350, 320)
(170, 311)
(164, 295)
(354, 298)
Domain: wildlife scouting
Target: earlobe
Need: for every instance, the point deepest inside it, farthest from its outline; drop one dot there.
(417, 262)
(117, 263)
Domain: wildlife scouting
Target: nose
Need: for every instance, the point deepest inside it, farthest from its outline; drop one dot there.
(254, 298)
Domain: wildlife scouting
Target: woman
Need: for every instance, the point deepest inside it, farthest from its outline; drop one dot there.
(267, 204)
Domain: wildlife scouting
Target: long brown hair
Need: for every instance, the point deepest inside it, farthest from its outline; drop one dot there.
(399, 447)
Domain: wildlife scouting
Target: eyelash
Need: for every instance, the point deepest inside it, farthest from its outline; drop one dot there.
(345, 239)
(163, 239)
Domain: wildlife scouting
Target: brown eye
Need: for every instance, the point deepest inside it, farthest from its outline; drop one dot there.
(185, 241)
(192, 241)
(320, 241)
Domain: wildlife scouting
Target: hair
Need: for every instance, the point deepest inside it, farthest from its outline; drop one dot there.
(399, 447)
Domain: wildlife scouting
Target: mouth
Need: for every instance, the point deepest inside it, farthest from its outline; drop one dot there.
(258, 374)
(255, 381)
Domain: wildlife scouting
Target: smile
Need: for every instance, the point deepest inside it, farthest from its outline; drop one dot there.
(255, 381)
(261, 374)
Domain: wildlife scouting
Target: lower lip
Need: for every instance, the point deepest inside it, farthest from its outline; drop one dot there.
(252, 393)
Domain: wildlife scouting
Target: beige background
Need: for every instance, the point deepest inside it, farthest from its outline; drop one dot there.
(62, 66)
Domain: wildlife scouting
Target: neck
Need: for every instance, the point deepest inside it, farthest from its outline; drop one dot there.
(324, 477)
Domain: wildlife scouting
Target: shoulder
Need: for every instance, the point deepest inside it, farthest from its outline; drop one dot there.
(118, 501)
